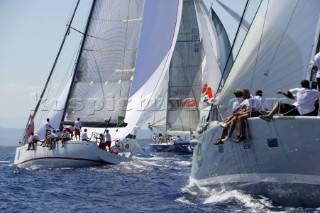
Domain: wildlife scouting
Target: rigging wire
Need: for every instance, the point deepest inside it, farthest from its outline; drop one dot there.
(54, 64)
(233, 44)
(48, 83)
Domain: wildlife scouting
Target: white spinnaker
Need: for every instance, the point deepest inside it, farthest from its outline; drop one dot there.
(276, 51)
(151, 95)
(56, 112)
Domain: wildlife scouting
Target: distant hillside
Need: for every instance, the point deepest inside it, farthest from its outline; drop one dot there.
(10, 136)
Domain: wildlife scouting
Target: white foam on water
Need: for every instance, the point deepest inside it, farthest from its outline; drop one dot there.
(223, 196)
(183, 163)
(184, 201)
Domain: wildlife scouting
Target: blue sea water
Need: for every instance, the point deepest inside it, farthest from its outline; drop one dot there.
(159, 183)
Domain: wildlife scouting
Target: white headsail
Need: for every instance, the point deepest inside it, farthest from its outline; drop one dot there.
(56, 112)
(275, 55)
(146, 101)
(224, 45)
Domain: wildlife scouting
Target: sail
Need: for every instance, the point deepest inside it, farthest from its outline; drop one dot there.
(224, 44)
(184, 73)
(276, 52)
(56, 111)
(211, 51)
(150, 96)
(103, 75)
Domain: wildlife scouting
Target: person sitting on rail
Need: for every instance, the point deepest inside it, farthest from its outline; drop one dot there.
(34, 138)
(304, 105)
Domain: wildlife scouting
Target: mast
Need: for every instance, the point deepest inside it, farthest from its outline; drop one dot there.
(55, 63)
(77, 64)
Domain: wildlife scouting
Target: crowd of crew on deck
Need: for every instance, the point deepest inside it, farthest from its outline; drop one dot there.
(246, 106)
(53, 136)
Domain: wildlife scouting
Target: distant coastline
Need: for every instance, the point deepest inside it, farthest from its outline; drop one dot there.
(10, 136)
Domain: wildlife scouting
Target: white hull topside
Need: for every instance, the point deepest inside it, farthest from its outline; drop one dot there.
(280, 159)
(73, 154)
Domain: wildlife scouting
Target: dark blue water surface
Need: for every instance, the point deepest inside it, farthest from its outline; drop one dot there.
(159, 183)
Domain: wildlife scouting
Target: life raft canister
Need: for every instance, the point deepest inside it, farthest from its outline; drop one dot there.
(127, 146)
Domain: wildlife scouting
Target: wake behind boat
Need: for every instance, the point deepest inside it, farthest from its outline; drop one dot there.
(278, 159)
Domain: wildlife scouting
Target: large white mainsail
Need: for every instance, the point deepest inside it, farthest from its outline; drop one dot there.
(103, 76)
(194, 63)
(184, 88)
(275, 55)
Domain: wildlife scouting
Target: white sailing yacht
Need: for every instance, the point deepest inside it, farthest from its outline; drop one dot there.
(193, 76)
(279, 159)
(99, 88)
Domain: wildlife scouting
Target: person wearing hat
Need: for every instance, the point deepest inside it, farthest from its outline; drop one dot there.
(230, 121)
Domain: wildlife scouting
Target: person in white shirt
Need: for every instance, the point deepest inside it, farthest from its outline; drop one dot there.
(262, 100)
(65, 137)
(48, 127)
(317, 63)
(230, 122)
(77, 128)
(84, 135)
(108, 139)
(32, 140)
(58, 135)
(53, 139)
(47, 140)
(305, 102)
(251, 108)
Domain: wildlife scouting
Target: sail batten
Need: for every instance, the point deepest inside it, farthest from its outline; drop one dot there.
(103, 77)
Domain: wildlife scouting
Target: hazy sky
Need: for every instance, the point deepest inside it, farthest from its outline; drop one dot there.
(31, 32)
